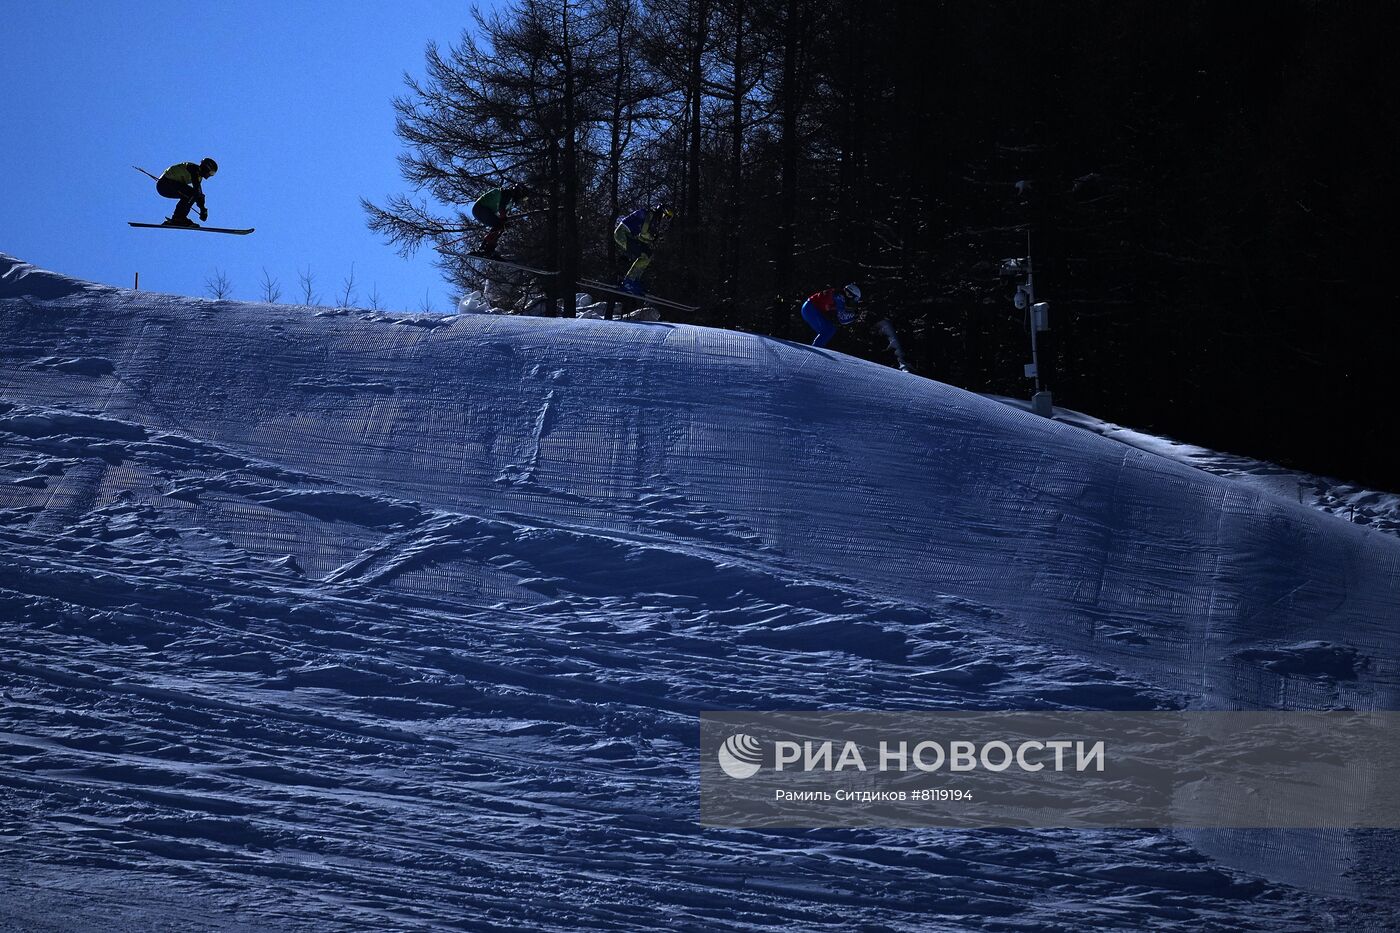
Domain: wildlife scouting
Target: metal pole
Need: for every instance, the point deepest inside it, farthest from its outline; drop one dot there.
(1030, 310)
(136, 286)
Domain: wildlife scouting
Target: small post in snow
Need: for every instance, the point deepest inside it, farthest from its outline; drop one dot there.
(1042, 401)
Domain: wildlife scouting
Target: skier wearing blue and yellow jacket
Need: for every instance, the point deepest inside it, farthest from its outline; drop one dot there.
(181, 182)
(637, 234)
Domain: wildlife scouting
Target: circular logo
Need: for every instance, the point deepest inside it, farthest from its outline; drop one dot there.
(741, 756)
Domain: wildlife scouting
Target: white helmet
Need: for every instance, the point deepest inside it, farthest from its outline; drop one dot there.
(852, 292)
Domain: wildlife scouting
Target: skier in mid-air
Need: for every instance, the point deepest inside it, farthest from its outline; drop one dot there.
(637, 234)
(828, 308)
(491, 210)
(181, 182)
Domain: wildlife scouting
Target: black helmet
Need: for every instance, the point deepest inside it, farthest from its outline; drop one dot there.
(208, 166)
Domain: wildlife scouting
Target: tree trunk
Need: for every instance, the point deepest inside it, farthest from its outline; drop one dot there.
(568, 270)
(734, 231)
(786, 240)
(700, 15)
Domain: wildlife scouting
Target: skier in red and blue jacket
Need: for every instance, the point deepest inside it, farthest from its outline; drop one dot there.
(828, 308)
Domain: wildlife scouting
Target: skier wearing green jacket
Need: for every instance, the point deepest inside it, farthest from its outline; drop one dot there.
(491, 210)
(181, 182)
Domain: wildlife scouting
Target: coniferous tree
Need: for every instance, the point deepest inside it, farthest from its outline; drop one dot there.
(517, 102)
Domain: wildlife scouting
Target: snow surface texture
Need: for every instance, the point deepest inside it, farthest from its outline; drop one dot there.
(1360, 506)
(333, 620)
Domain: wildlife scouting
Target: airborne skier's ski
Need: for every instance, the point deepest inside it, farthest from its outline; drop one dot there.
(594, 285)
(193, 227)
(513, 264)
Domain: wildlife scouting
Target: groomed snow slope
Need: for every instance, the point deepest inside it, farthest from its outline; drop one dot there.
(359, 620)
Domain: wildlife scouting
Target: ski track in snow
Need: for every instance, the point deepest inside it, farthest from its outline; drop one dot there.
(318, 622)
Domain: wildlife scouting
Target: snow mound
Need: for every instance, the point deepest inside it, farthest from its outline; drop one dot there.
(21, 280)
(473, 303)
(417, 620)
(701, 438)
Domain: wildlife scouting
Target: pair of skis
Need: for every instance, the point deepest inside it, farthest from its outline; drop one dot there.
(593, 285)
(193, 227)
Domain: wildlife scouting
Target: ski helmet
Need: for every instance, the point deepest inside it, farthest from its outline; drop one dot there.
(852, 292)
(208, 166)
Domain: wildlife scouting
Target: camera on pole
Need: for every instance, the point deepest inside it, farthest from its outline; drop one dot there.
(1021, 270)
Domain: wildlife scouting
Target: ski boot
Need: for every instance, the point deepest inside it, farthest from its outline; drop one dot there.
(179, 222)
(633, 287)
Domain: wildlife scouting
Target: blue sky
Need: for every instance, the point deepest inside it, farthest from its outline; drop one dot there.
(292, 98)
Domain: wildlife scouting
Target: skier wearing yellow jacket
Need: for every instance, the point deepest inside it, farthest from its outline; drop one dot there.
(182, 183)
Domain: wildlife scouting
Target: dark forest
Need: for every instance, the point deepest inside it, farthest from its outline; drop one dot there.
(1202, 186)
